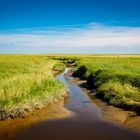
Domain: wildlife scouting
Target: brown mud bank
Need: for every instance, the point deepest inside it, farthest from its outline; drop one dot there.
(23, 112)
(27, 109)
(128, 119)
(54, 111)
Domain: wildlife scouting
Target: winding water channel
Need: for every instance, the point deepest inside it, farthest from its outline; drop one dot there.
(85, 122)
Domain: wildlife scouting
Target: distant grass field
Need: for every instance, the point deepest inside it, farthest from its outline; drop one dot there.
(116, 78)
(27, 83)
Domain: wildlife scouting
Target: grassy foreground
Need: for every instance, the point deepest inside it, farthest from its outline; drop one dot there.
(116, 78)
(27, 83)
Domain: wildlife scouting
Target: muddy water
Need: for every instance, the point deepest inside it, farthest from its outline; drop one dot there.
(83, 121)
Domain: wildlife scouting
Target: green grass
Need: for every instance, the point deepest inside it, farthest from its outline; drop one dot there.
(58, 67)
(116, 79)
(26, 82)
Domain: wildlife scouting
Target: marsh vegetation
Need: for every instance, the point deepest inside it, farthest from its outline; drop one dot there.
(27, 83)
(115, 78)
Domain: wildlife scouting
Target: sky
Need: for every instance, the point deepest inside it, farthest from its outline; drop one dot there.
(70, 26)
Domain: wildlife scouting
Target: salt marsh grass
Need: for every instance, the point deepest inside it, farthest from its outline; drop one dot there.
(26, 83)
(116, 79)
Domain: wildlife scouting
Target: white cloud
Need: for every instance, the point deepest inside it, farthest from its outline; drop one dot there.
(71, 38)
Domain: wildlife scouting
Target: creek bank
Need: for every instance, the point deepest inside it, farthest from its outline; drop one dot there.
(54, 111)
(118, 88)
(23, 111)
(128, 119)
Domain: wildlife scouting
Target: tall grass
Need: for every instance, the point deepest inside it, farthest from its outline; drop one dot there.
(116, 79)
(26, 83)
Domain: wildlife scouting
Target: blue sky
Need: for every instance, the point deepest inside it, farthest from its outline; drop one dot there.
(69, 26)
